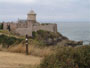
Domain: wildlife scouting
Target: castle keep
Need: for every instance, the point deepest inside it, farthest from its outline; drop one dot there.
(23, 27)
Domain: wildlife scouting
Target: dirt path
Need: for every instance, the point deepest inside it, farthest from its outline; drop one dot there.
(16, 60)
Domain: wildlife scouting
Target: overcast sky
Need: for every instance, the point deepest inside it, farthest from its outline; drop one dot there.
(47, 10)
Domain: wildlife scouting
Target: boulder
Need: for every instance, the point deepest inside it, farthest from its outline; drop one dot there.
(74, 43)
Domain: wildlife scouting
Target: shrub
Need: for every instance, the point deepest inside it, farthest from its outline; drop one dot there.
(41, 34)
(68, 57)
(1, 26)
(45, 37)
(7, 41)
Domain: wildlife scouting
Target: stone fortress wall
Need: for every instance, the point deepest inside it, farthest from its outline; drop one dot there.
(49, 27)
(23, 27)
(11, 24)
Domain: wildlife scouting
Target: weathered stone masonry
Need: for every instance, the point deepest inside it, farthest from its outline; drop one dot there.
(23, 27)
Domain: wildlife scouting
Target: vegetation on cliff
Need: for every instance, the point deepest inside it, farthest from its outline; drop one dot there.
(51, 38)
(68, 57)
(6, 41)
(40, 38)
(48, 38)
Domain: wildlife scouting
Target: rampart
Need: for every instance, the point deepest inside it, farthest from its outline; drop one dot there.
(49, 27)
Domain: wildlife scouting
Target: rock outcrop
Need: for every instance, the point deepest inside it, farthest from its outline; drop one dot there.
(51, 38)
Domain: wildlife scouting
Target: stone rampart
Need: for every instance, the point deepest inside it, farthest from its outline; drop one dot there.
(24, 31)
(49, 27)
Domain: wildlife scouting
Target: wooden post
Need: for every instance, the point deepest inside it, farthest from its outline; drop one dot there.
(26, 44)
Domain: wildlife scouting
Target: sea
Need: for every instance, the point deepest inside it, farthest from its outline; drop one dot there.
(78, 31)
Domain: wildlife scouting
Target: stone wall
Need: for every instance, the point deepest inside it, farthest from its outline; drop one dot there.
(12, 26)
(27, 28)
(22, 24)
(49, 27)
(24, 31)
(5, 26)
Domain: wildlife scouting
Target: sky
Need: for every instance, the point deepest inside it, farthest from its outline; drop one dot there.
(47, 10)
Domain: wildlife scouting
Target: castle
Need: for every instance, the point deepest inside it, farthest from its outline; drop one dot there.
(26, 27)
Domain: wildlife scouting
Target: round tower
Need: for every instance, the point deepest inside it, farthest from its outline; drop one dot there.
(31, 16)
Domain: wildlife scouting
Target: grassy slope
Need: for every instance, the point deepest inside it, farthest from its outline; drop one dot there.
(36, 49)
(6, 32)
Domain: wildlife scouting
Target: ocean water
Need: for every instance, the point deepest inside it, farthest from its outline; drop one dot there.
(75, 30)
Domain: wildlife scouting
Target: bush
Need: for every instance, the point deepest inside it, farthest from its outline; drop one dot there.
(46, 37)
(7, 41)
(1, 26)
(68, 57)
(41, 34)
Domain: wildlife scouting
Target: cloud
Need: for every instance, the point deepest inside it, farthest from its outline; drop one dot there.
(55, 10)
(18, 1)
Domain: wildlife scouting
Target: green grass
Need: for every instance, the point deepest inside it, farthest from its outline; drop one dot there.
(4, 32)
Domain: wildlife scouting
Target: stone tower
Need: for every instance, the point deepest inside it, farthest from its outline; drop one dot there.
(31, 16)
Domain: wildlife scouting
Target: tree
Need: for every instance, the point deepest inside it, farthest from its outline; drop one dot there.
(9, 28)
(1, 26)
